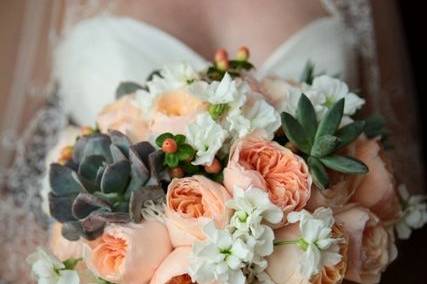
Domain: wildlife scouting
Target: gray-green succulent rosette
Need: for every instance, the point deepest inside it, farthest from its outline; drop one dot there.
(107, 180)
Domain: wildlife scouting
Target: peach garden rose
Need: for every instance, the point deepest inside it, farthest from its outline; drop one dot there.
(174, 269)
(126, 116)
(190, 203)
(371, 246)
(129, 254)
(267, 165)
(283, 263)
(375, 190)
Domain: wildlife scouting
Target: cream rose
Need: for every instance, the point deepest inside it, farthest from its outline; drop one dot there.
(271, 167)
(173, 111)
(371, 247)
(129, 254)
(283, 264)
(190, 203)
(174, 269)
(125, 116)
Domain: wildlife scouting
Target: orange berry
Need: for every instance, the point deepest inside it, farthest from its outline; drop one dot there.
(221, 55)
(176, 172)
(169, 146)
(214, 168)
(66, 153)
(222, 65)
(243, 53)
(86, 130)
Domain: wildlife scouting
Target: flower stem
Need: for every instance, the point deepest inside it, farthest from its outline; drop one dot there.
(285, 242)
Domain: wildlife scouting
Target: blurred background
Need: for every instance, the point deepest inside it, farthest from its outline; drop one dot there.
(401, 48)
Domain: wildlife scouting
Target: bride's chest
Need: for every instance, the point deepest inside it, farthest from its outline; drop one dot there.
(207, 25)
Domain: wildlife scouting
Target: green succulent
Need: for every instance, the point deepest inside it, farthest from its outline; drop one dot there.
(319, 142)
(107, 181)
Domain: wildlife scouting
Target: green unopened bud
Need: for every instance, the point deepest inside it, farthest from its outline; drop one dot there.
(302, 244)
(216, 111)
(243, 216)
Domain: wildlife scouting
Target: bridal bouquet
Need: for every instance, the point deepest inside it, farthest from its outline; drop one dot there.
(216, 177)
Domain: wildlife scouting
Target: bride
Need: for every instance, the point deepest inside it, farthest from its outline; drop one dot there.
(86, 48)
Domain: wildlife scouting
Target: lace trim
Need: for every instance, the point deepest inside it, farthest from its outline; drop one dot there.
(23, 225)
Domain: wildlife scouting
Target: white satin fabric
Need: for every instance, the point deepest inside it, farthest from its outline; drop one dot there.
(99, 53)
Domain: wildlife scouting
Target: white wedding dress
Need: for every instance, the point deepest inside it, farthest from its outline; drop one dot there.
(100, 53)
(92, 59)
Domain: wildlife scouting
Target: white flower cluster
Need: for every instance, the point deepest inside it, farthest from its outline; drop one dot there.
(414, 215)
(235, 110)
(238, 252)
(49, 270)
(242, 111)
(319, 247)
(323, 93)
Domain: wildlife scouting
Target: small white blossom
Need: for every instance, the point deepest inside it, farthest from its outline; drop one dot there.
(207, 137)
(319, 246)
(49, 270)
(219, 258)
(326, 91)
(172, 77)
(261, 115)
(414, 215)
(222, 92)
(251, 207)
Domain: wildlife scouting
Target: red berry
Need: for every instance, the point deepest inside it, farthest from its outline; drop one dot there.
(221, 55)
(243, 53)
(66, 153)
(214, 168)
(169, 146)
(177, 172)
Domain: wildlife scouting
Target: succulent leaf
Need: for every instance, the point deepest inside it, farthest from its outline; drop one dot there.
(89, 167)
(117, 153)
(295, 132)
(120, 140)
(306, 116)
(324, 145)
(84, 204)
(318, 173)
(98, 144)
(60, 207)
(62, 181)
(344, 164)
(330, 123)
(72, 230)
(127, 88)
(116, 177)
(350, 132)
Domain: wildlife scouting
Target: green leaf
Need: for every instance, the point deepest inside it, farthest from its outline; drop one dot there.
(126, 88)
(171, 160)
(350, 132)
(306, 116)
(375, 126)
(89, 167)
(318, 173)
(324, 145)
(185, 152)
(307, 75)
(162, 137)
(180, 139)
(71, 263)
(189, 168)
(295, 132)
(345, 164)
(329, 124)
